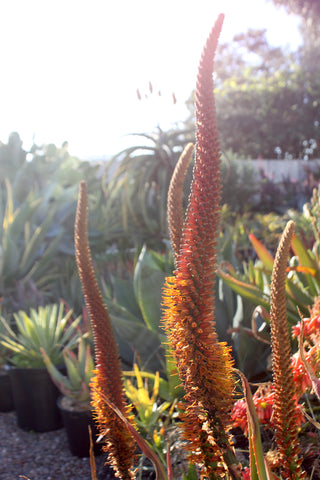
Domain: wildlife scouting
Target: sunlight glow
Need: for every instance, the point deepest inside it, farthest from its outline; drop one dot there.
(71, 69)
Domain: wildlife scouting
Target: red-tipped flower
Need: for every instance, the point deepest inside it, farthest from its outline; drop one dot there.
(204, 364)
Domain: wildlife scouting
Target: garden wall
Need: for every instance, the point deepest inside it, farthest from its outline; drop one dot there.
(280, 170)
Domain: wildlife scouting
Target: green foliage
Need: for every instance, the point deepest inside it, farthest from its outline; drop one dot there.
(37, 208)
(136, 192)
(233, 309)
(74, 385)
(269, 116)
(248, 281)
(49, 166)
(138, 393)
(134, 306)
(261, 109)
(152, 415)
(47, 327)
(235, 246)
(150, 271)
(258, 466)
(5, 353)
(303, 279)
(53, 175)
(26, 257)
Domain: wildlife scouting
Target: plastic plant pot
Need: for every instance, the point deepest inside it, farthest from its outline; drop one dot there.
(35, 399)
(76, 423)
(6, 397)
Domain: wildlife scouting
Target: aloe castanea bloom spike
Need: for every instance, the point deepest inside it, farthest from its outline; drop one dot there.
(205, 365)
(175, 198)
(285, 414)
(107, 382)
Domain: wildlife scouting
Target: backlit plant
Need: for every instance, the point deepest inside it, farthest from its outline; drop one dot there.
(79, 371)
(204, 364)
(50, 327)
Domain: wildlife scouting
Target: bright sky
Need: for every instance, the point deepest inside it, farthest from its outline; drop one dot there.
(70, 68)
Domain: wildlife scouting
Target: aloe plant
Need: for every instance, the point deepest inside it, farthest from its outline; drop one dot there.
(134, 305)
(79, 367)
(120, 443)
(138, 187)
(205, 364)
(302, 283)
(49, 327)
(151, 414)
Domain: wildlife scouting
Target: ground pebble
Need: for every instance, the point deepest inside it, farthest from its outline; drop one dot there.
(41, 456)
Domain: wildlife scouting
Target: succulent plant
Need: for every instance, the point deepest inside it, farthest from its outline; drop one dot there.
(49, 327)
(80, 366)
(5, 353)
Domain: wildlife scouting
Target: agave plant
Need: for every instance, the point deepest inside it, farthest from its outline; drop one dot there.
(26, 254)
(134, 306)
(49, 327)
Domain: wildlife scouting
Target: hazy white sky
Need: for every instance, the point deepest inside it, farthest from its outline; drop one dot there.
(70, 68)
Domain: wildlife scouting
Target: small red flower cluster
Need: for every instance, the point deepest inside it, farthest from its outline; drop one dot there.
(301, 377)
(311, 326)
(264, 397)
(311, 335)
(246, 473)
(263, 400)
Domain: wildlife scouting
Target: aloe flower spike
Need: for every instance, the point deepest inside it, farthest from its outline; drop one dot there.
(107, 382)
(204, 364)
(284, 411)
(175, 196)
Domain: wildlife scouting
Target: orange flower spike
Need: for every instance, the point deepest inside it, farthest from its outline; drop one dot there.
(108, 379)
(205, 365)
(285, 415)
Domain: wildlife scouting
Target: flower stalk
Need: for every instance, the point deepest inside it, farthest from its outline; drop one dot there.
(175, 194)
(107, 382)
(285, 415)
(205, 364)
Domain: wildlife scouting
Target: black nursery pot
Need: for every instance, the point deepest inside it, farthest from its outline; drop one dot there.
(6, 397)
(76, 424)
(35, 399)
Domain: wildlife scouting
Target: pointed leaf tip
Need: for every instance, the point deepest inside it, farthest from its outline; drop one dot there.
(262, 252)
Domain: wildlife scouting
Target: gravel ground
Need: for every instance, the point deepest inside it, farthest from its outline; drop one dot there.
(41, 456)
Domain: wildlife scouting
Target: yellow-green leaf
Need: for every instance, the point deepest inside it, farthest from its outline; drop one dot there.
(262, 252)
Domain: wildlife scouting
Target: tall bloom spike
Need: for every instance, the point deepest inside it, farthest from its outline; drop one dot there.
(175, 193)
(285, 415)
(108, 379)
(205, 365)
